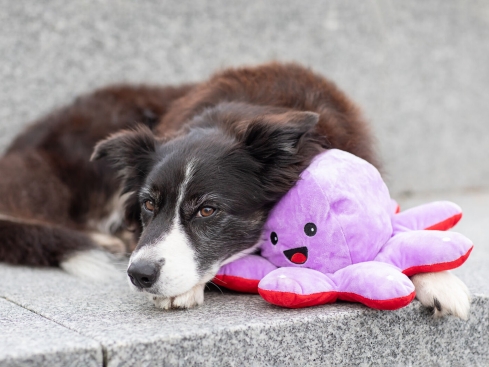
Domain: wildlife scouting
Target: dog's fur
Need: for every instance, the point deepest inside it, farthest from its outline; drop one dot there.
(231, 147)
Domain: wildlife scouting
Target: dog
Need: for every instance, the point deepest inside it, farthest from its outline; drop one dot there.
(183, 177)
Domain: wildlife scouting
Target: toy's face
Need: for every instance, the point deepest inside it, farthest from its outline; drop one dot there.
(296, 255)
(302, 231)
(335, 216)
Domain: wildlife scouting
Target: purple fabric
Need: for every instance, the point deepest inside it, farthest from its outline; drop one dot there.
(389, 282)
(336, 230)
(417, 248)
(248, 267)
(345, 197)
(298, 281)
(373, 280)
(394, 207)
(350, 206)
(424, 216)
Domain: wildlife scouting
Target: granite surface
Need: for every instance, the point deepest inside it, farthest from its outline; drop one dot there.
(235, 329)
(232, 329)
(420, 70)
(28, 339)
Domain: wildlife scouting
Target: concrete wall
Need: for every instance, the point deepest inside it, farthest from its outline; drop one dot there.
(420, 69)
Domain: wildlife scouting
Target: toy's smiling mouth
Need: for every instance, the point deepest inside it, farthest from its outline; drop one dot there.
(297, 255)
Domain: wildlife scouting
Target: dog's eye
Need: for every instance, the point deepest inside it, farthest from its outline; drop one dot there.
(206, 211)
(310, 229)
(149, 205)
(273, 238)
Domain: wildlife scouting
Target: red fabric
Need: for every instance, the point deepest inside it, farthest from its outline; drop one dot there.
(237, 284)
(446, 224)
(298, 258)
(292, 300)
(438, 267)
(386, 304)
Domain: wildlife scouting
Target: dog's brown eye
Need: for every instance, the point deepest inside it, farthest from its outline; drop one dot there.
(149, 205)
(206, 211)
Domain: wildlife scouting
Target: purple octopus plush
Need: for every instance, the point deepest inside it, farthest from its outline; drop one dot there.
(337, 235)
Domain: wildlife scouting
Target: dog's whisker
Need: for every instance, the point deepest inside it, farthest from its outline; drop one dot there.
(216, 286)
(222, 281)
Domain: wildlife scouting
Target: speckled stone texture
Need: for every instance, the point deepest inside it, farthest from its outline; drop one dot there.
(232, 329)
(236, 329)
(28, 339)
(420, 70)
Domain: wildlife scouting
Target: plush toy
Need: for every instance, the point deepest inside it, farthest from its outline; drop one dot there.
(336, 235)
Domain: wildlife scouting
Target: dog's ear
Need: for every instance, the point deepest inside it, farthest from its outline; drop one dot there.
(279, 136)
(130, 152)
(284, 145)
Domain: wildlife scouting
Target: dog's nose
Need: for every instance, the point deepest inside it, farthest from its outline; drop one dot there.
(143, 274)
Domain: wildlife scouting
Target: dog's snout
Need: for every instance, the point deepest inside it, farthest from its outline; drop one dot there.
(143, 274)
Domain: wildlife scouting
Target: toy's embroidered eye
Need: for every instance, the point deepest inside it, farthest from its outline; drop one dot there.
(273, 238)
(310, 229)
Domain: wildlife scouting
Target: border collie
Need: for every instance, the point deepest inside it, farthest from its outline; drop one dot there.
(184, 179)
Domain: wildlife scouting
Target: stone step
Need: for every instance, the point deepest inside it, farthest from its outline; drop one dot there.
(29, 339)
(78, 320)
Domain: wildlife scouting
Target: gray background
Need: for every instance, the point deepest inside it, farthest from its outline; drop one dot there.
(419, 69)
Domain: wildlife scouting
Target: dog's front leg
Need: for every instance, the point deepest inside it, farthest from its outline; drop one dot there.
(444, 293)
(192, 298)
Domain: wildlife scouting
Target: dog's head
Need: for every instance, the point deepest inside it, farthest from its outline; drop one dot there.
(203, 196)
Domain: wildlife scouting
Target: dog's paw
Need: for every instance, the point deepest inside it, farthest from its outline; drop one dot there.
(92, 265)
(192, 298)
(161, 302)
(444, 293)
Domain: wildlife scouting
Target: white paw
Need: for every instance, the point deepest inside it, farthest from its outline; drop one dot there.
(92, 265)
(444, 293)
(161, 302)
(192, 298)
